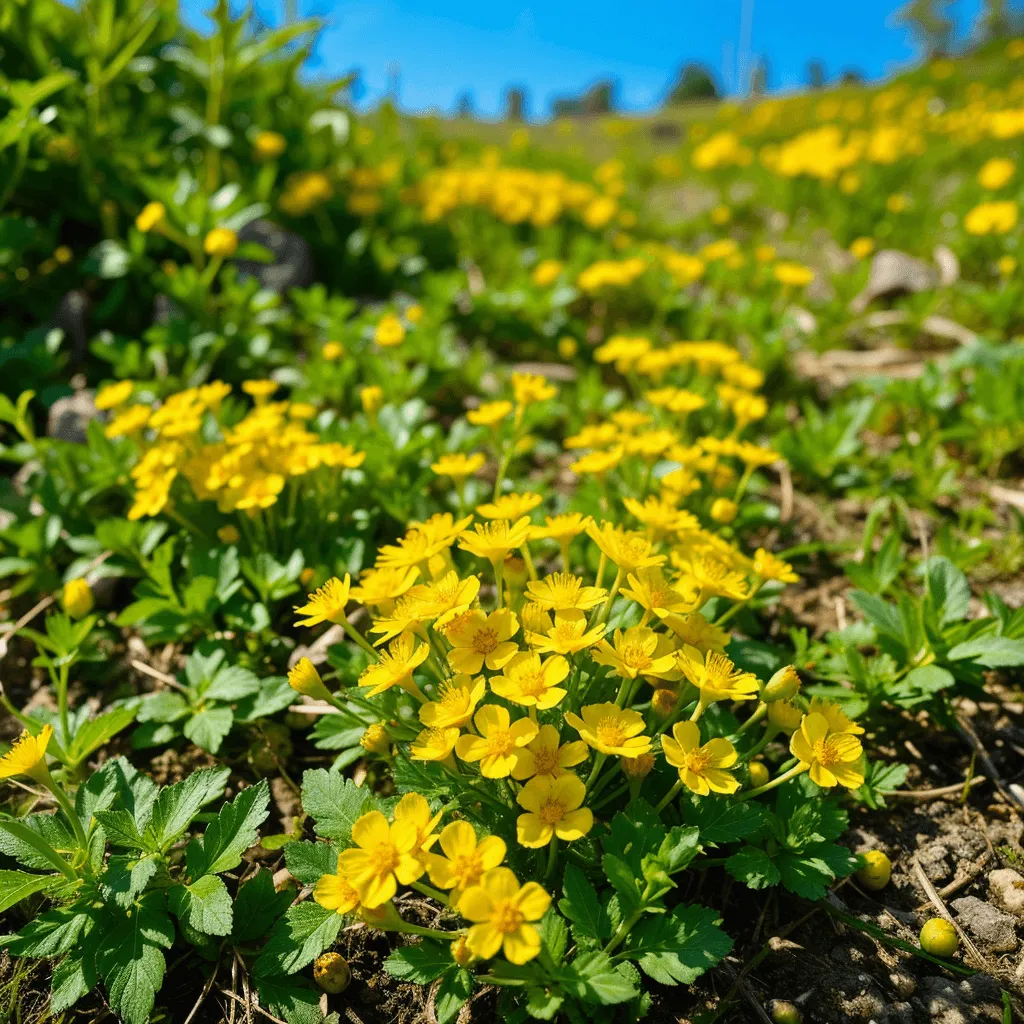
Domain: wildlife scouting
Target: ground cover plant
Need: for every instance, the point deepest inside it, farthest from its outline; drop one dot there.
(460, 572)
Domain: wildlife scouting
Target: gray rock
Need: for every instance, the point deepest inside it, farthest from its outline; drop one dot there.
(986, 923)
(894, 273)
(935, 862)
(947, 264)
(1006, 890)
(292, 266)
(942, 1001)
(69, 417)
(72, 317)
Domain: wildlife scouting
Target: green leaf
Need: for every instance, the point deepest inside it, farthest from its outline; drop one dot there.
(232, 683)
(308, 861)
(93, 735)
(542, 1003)
(177, 805)
(593, 978)
(120, 829)
(425, 777)
(720, 821)
(581, 905)
(451, 995)
(948, 590)
(335, 803)
(231, 833)
(293, 999)
(678, 848)
(990, 651)
(635, 833)
(18, 885)
(204, 904)
(624, 881)
(753, 867)
(51, 933)
(304, 932)
(421, 963)
(208, 728)
(677, 948)
(133, 982)
(884, 616)
(72, 978)
(126, 877)
(810, 873)
(257, 906)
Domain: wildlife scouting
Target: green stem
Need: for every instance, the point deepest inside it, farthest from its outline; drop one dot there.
(793, 772)
(607, 607)
(669, 796)
(428, 890)
(756, 717)
(549, 871)
(598, 763)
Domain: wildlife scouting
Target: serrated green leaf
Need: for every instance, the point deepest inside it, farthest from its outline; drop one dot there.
(126, 877)
(208, 728)
(293, 999)
(582, 906)
(94, 734)
(205, 904)
(677, 948)
(308, 861)
(177, 805)
(120, 829)
(334, 802)
(232, 683)
(421, 963)
(594, 978)
(721, 821)
(451, 995)
(624, 881)
(257, 906)
(51, 933)
(132, 983)
(72, 978)
(990, 651)
(18, 885)
(304, 932)
(231, 833)
(753, 867)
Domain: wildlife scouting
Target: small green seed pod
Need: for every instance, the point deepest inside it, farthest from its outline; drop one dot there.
(331, 972)
(783, 1012)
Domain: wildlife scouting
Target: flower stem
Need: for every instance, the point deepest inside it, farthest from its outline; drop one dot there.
(793, 772)
(552, 858)
(756, 717)
(669, 796)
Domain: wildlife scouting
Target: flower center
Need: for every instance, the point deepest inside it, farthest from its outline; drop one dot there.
(610, 733)
(545, 761)
(551, 812)
(453, 698)
(826, 752)
(485, 640)
(532, 684)
(500, 744)
(507, 917)
(385, 858)
(467, 869)
(697, 761)
(635, 657)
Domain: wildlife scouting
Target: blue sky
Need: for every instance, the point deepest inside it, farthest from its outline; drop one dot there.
(443, 48)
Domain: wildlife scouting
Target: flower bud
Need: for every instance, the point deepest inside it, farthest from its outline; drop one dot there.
(376, 740)
(759, 774)
(76, 597)
(220, 242)
(663, 701)
(637, 767)
(150, 217)
(785, 715)
(384, 918)
(461, 953)
(784, 685)
(724, 510)
(331, 972)
(304, 678)
(229, 535)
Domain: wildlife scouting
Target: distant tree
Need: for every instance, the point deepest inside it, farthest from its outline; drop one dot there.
(599, 98)
(928, 20)
(851, 76)
(759, 78)
(694, 82)
(515, 104)
(994, 20)
(566, 106)
(816, 74)
(464, 105)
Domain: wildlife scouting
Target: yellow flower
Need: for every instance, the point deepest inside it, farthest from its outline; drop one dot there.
(27, 756)
(333, 351)
(501, 912)
(995, 173)
(553, 809)
(598, 463)
(1006, 265)
(567, 635)
(861, 248)
(414, 314)
(833, 758)
(220, 242)
(510, 506)
(260, 389)
(835, 716)
(783, 685)
(610, 729)
(702, 768)
(456, 701)
(531, 682)
(545, 756)
(380, 588)
(567, 347)
(434, 744)
(384, 855)
(465, 859)
(396, 666)
(562, 590)
(624, 548)
(326, 604)
(638, 651)
(458, 466)
(723, 510)
(561, 528)
(528, 388)
(494, 540)
(784, 715)
(495, 748)
(991, 218)
(76, 598)
(413, 808)
(795, 274)
(371, 398)
(304, 678)
(479, 639)
(389, 332)
(716, 676)
(128, 422)
(150, 217)
(113, 395)
(768, 567)
(546, 273)
(376, 740)
(649, 588)
(228, 534)
(443, 600)
(489, 414)
(268, 145)
(336, 892)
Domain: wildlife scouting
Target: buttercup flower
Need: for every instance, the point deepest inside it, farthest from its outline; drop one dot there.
(554, 809)
(413, 808)
(509, 506)
(221, 242)
(434, 744)
(835, 716)
(716, 676)
(336, 892)
(501, 910)
(494, 540)
(568, 634)
(610, 729)
(384, 855)
(489, 414)
(304, 678)
(479, 639)
(466, 859)
(649, 588)
(456, 701)
(150, 217)
(27, 756)
(529, 681)
(627, 550)
(495, 748)
(832, 758)
(768, 567)
(326, 604)
(545, 755)
(395, 667)
(389, 333)
(702, 768)
(459, 467)
(637, 651)
(76, 598)
(562, 591)
(113, 395)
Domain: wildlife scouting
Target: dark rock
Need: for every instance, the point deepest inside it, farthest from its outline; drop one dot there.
(72, 317)
(986, 923)
(894, 273)
(292, 266)
(69, 417)
(943, 1001)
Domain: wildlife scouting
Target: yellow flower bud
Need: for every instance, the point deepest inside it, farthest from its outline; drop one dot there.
(331, 972)
(567, 347)
(221, 242)
(333, 351)
(304, 678)
(151, 215)
(939, 937)
(637, 767)
(723, 510)
(759, 774)
(783, 1012)
(268, 145)
(76, 598)
(663, 701)
(784, 685)
(376, 740)
(461, 953)
(229, 535)
(876, 872)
